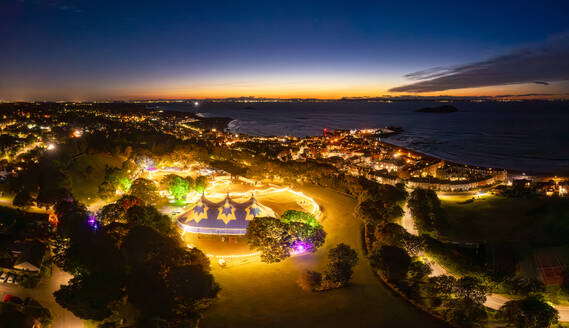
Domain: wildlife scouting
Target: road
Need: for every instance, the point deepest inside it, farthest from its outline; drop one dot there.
(43, 293)
(5, 201)
(409, 225)
(493, 301)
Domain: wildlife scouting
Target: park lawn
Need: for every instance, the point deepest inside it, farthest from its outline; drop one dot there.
(266, 295)
(86, 186)
(535, 222)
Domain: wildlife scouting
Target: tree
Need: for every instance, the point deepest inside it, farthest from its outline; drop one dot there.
(466, 314)
(48, 197)
(23, 199)
(124, 184)
(298, 216)
(150, 217)
(19, 315)
(377, 211)
(530, 312)
(200, 184)
(144, 279)
(190, 283)
(310, 280)
(471, 289)
(442, 285)
(87, 296)
(305, 236)
(111, 213)
(341, 260)
(393, 261)
(425, 207)
(179, 188)
(419, 270)
(271, 237)
(524, 286)
(128, 201)
(167, 180)
(115, 179)
(395, 235)
(145, 189)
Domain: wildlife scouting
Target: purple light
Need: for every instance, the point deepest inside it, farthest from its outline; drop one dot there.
(92, 222)
(301, 247)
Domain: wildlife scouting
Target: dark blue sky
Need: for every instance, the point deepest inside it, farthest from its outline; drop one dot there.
(54, 49)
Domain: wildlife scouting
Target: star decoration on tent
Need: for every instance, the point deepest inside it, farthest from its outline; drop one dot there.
(254, 210)
(199, 209)
(226, 210)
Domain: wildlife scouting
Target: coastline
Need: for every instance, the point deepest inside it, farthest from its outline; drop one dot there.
(222, 123)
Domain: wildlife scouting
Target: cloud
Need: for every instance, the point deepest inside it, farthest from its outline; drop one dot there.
(532, 95)
(540, 64)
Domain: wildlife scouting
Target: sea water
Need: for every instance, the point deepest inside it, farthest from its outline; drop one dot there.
(530, 136)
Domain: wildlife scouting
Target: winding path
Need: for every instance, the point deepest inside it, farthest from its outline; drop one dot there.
(493, 301)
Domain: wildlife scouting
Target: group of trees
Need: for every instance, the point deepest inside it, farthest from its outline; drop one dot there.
(28, 313)
(123, 179)
(341, 260)
(459, 301)
(118, 178)
(529, 312)
(42, 183)
(179, 186)
(115, 264)
(426, 209)
(393, 252)
(277, 238)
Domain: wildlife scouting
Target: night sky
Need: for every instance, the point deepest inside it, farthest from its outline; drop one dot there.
(84, 50)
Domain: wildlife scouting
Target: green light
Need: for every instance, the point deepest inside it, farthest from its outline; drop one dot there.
(124, 184)
(179, 188)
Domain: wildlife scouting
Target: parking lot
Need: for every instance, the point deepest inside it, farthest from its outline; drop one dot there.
(10, 278)
(43, 293)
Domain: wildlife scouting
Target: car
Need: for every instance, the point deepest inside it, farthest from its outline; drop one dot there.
(3, 277)
(17, 280)
(10, 279)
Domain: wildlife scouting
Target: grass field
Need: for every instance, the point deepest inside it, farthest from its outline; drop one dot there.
(266, 295)
(535, 222)
(517, 231)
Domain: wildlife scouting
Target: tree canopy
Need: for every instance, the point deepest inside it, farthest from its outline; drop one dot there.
(341, 260)
(145, 189)
(530, 312)
(393, 261)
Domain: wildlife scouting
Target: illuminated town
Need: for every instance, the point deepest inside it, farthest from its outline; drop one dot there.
(284, 164)
(124, 165)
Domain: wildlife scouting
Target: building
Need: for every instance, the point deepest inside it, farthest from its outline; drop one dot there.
(27, 256)
(226, 217)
